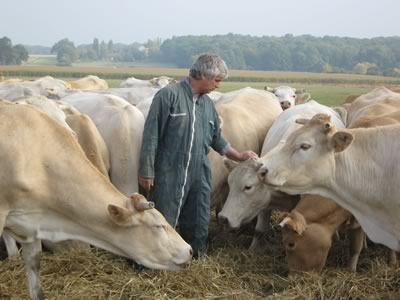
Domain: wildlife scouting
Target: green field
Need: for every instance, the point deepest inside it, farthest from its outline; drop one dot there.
(329, 89)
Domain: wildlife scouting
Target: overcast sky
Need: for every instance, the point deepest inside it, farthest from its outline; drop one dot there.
(44, 22)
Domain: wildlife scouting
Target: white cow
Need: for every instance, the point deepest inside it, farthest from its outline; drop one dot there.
(246, 115)
(52, 192)
(248, 196)
(121, 126)
(16, 92)
(357, 168)
(289, 96)
(157, 82)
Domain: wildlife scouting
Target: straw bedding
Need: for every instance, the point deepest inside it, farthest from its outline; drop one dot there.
(229, 272)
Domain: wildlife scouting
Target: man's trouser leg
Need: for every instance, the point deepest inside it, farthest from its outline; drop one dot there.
(194, 220)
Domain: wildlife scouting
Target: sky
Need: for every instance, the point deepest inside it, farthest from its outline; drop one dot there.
(45, 22)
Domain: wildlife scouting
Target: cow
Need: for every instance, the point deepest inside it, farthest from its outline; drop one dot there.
(121, 126)
(289, 96)
(48, 106)
(53, 192)
(310, 226)
(90, 82)
(42, 86)
(356, 168)
(157, 82)
(388, 100)
(246, 114)
(308, 231)
(91, 142)
(16, 92)
(248, 196)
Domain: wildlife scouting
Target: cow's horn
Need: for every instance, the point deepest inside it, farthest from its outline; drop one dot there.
(141, 203)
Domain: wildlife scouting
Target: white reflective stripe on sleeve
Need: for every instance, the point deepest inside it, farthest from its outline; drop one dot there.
(188, 162)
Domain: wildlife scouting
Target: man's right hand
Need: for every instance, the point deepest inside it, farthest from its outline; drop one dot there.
(146, 182)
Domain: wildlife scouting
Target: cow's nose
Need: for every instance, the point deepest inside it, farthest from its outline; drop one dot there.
(285, 105)
(222, 219)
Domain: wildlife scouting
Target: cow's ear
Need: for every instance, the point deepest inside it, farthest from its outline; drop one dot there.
(230, 164)
(302, 98)
(269, 89)
(120, 216)
(341, 140)
(295, 221)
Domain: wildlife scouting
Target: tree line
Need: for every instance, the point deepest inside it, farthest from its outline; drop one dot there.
(376, 56)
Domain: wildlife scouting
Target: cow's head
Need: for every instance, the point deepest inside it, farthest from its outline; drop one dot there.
(247, 194)
(288, 96)
(307, 158)
(306, 245)
(148, 237)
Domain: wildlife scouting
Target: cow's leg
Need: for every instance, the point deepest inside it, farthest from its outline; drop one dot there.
(357, 238)
(31, 256)
(11, 244)
(392, 257)
(261, 230)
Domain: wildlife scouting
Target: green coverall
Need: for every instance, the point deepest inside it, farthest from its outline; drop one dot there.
(178, 132)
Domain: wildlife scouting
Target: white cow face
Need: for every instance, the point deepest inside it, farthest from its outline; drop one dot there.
(248, 195)
(152, 241)
(286, 96)
(307, 158)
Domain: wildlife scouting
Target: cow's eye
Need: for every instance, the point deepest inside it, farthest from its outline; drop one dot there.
(247, 187)
(305, 146)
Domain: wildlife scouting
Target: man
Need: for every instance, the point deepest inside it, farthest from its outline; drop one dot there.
(181, 126)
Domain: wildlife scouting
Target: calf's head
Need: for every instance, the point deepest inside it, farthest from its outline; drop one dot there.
(306, 245)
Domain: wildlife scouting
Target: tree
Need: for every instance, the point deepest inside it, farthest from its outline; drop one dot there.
(66, 52)
(103, 50)
(96, 46)
(12, 55)
(20, 54)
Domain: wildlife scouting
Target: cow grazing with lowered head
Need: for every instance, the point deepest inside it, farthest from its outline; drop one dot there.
(53, 192)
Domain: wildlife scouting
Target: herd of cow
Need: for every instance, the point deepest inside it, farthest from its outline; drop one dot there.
(70, 150)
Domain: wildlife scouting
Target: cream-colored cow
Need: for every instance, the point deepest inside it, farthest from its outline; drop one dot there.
(90, 82)
(357, 168)
(53, 192)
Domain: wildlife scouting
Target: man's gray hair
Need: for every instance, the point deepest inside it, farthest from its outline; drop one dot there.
(210, 66)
